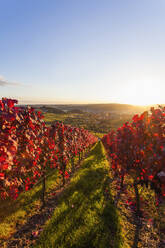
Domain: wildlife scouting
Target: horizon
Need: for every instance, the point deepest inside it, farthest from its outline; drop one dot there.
(62, 52)
(88, 103)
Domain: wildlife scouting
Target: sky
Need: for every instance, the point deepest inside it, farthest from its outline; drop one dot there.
(83, 51)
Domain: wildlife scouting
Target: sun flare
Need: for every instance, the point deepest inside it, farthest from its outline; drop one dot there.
(143, 93)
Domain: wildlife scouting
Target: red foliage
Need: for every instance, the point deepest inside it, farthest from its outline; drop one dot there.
(28, 149)
(138, 148)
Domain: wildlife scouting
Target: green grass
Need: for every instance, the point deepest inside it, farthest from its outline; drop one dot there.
(50, 117)
(16, 212)
(84, 218)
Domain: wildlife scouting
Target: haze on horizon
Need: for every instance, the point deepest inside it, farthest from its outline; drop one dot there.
(62, 51)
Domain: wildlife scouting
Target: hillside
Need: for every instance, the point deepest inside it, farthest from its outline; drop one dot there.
(112, 107)
(95, 108)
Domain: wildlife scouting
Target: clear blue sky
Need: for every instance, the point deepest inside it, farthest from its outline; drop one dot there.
(77, 51)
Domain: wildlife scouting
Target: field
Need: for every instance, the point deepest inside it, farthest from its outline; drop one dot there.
(96, 123)
(90, 206)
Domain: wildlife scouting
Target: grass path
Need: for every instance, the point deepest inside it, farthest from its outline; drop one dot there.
(84, 216)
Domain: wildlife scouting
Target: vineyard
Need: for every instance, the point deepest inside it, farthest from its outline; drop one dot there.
(61, 187)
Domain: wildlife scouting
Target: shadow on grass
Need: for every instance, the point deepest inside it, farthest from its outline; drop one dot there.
(14, 213)
(24, 199)
(84, 217)
(137, 233)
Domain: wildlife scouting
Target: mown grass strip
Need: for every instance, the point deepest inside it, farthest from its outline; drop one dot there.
(84, 217)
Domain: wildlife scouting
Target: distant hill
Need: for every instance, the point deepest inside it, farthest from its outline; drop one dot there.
(75, 111)
(47, 108)
(95, 108)
(114, 107)
(51, 110)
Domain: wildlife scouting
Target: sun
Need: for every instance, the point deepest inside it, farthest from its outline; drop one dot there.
(143, 93)
(144, 100)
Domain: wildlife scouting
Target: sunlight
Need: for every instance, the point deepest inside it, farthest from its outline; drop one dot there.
(144, 92)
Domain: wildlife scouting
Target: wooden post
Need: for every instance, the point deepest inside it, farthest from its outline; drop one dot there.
(138, 212)
(43, 189)
(72, 163)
